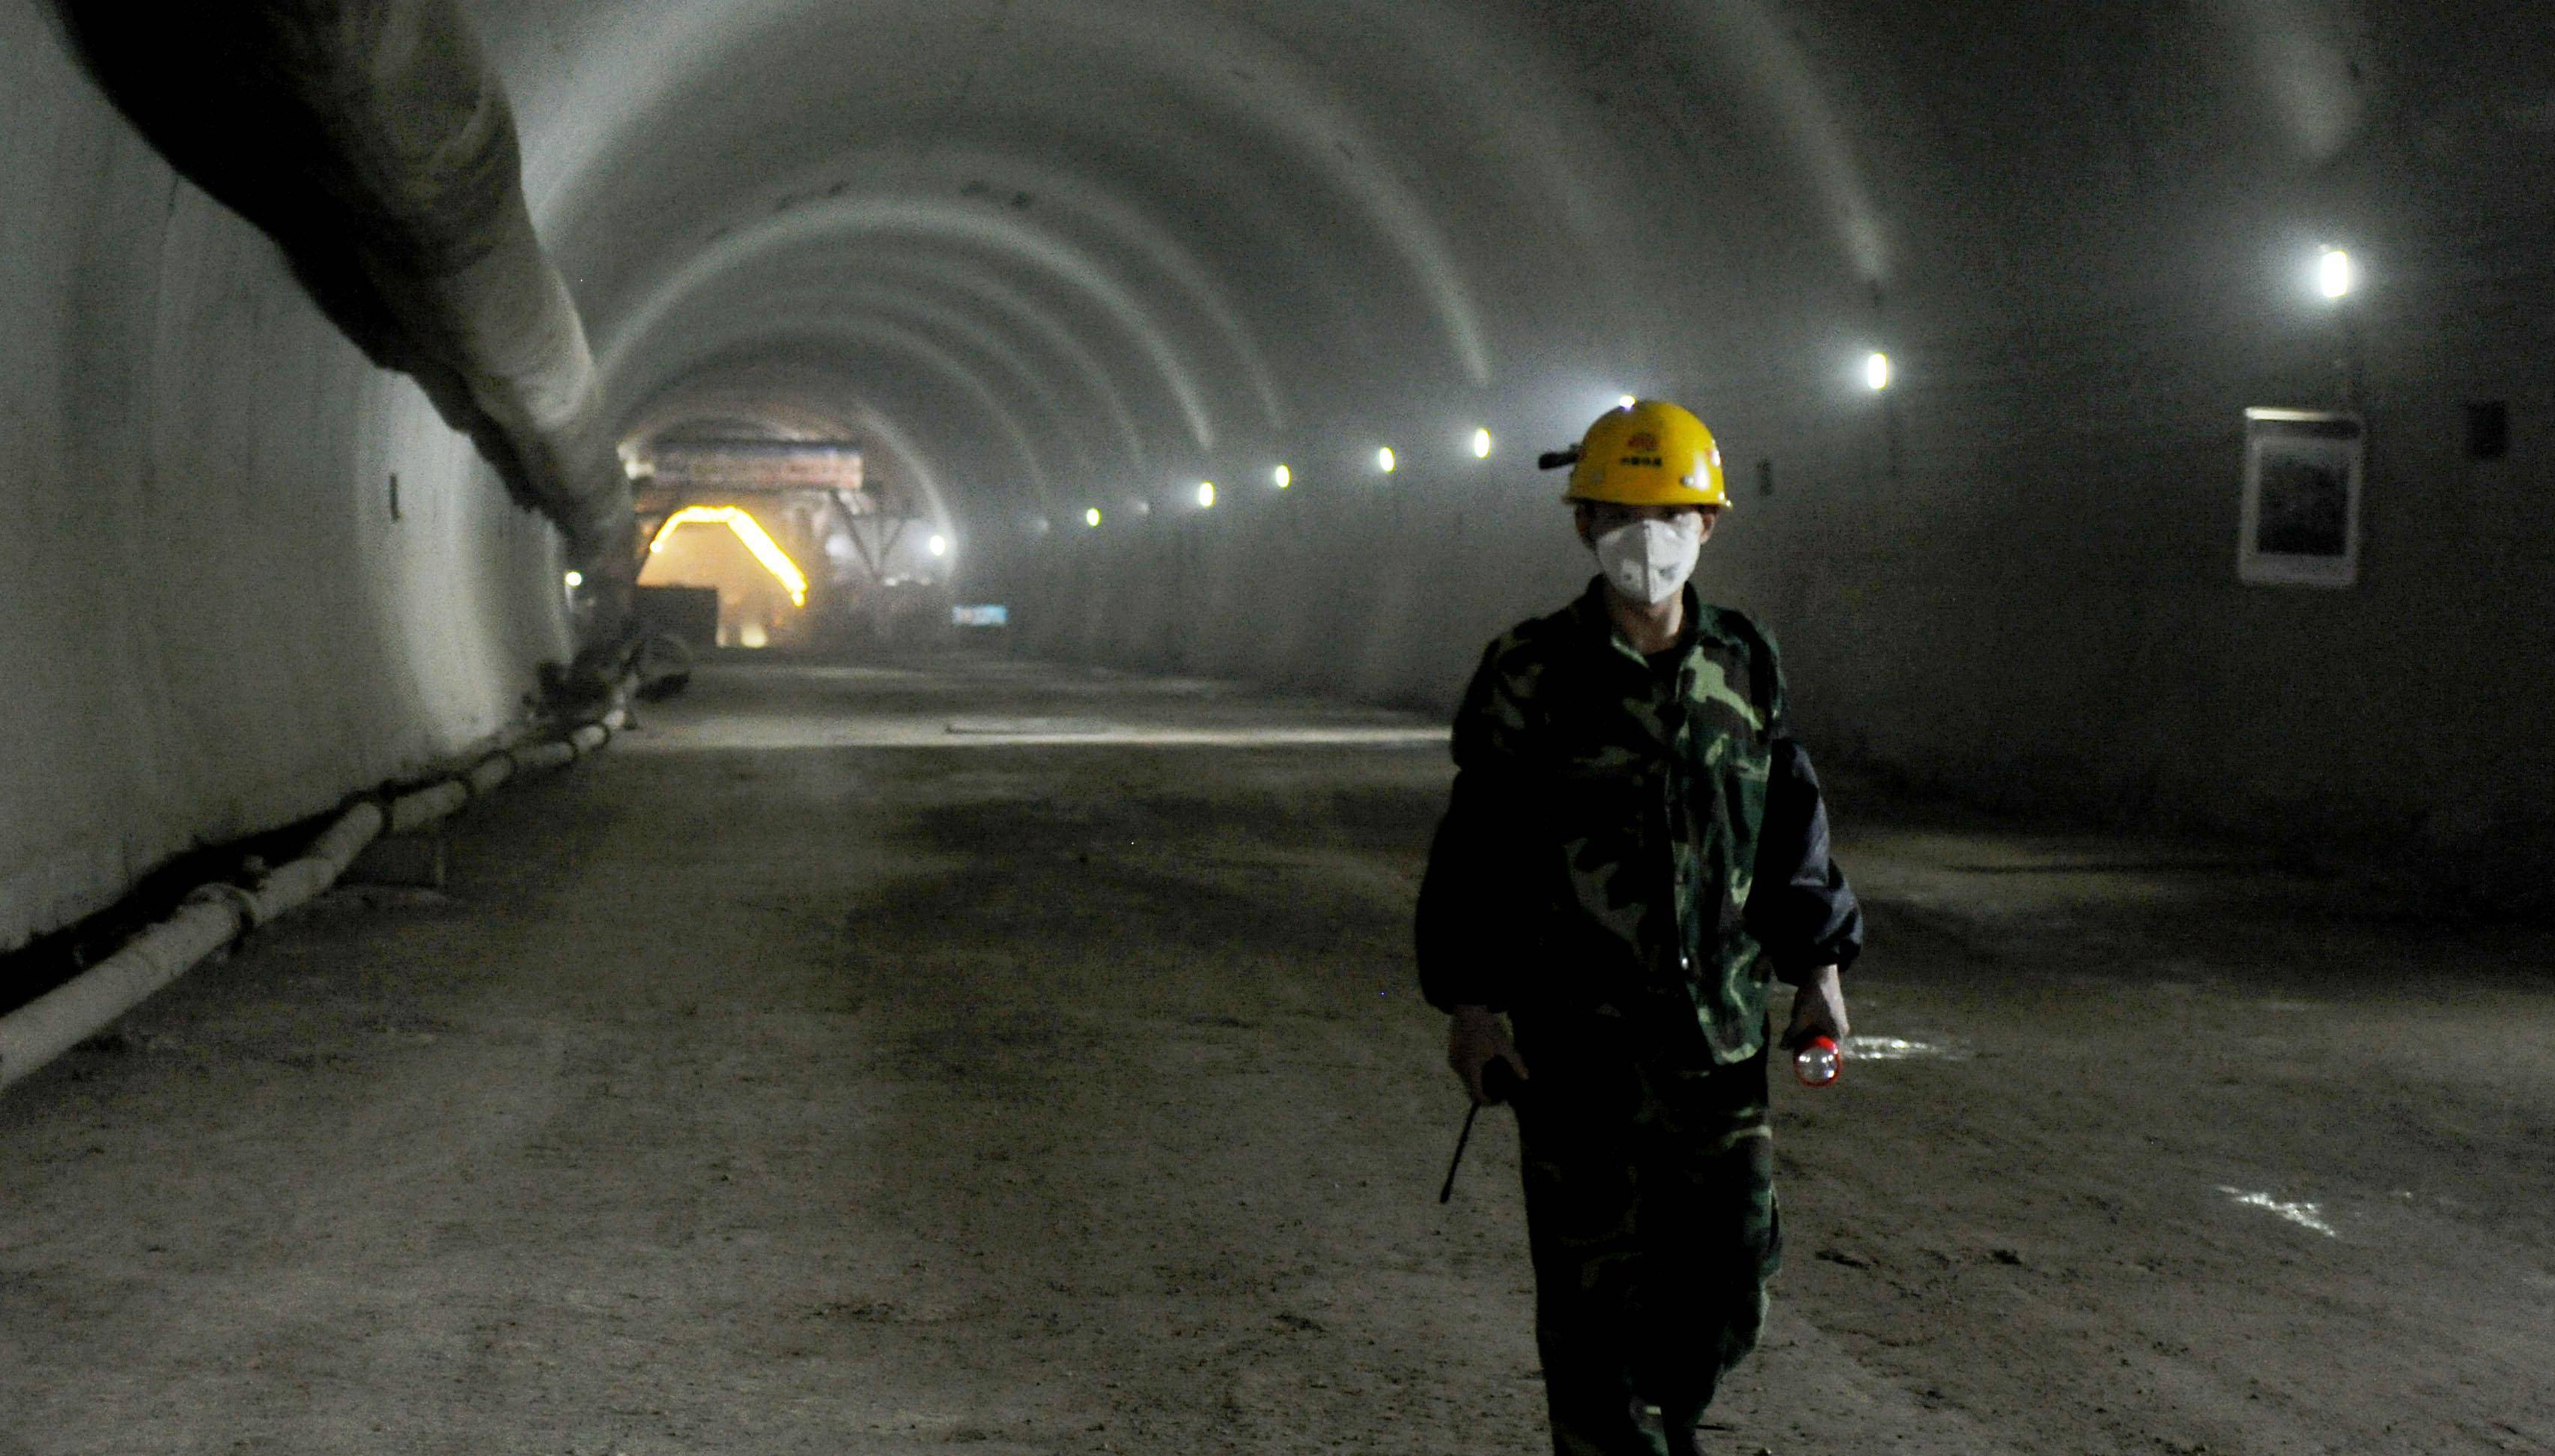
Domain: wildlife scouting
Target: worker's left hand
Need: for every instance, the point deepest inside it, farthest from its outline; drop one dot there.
(1818, 1009)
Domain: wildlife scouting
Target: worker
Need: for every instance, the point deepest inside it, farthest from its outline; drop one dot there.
(1635, 845)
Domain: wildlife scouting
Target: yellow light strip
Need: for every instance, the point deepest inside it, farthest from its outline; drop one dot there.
(748, 530)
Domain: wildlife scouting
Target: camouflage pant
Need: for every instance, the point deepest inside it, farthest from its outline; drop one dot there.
(1653, 1223)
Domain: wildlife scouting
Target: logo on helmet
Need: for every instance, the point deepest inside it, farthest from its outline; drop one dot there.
(1645, 443)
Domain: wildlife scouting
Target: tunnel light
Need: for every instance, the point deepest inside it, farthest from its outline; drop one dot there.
(1384, 459)
(1481, 444)
(939, 546)
(1206, 495)
(1625, 401)
(1284, 476)
(1876, 371)
(574, 579)
(2335, 275)
(1091, 518)
(748, 530)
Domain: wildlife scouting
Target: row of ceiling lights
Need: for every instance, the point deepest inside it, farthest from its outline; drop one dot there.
(1876, 374)
(1284, 476)
(2335, 277)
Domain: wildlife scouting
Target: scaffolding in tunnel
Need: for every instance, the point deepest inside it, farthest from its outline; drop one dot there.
(794, 505)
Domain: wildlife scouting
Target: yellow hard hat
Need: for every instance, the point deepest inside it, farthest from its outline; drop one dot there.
(1646, 453)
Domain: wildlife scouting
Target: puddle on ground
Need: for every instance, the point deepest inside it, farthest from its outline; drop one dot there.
(1902, 1049)
(2304, 1214)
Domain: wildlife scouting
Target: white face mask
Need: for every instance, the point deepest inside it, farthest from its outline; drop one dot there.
(1648, 561)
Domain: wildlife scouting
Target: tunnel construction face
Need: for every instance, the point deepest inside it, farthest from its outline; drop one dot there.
(806, 547)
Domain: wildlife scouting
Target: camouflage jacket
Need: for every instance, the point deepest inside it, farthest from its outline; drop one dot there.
(1628, 838)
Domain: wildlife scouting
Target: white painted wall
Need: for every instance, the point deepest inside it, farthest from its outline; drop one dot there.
(210, 624)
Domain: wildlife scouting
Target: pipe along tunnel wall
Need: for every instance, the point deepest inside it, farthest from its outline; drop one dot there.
(243, 571)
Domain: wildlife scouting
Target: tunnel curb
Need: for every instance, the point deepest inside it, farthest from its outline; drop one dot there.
(217, 916)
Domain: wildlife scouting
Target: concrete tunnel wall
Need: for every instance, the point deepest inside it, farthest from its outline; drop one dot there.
(1049, 255)
(213, 619)
(1090, 255)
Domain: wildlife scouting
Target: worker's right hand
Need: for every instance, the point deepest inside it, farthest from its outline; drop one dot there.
(1476, 1037)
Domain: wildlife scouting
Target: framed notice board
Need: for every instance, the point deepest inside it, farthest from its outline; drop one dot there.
(2303, 475)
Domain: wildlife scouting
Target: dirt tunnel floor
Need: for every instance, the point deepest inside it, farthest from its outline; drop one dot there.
(806, 1076)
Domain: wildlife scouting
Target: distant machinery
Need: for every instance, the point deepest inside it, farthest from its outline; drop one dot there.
(843, 548)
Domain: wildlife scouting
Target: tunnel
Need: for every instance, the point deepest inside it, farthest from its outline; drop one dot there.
(722, 720)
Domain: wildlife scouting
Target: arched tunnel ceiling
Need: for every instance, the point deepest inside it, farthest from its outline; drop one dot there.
(1052, 242)
(1157, 232)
